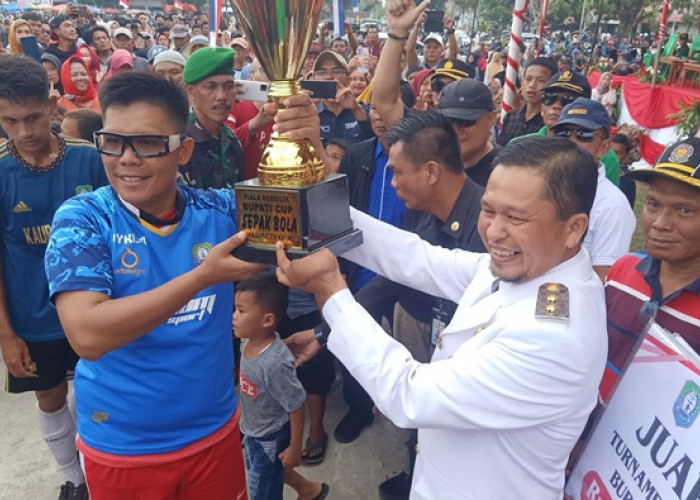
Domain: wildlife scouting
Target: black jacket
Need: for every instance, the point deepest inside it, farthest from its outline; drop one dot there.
(359, 166)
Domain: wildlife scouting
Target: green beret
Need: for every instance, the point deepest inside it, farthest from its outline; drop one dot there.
(209, 61)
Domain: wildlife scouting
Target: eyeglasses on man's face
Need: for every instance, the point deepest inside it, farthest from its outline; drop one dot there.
(143, 145)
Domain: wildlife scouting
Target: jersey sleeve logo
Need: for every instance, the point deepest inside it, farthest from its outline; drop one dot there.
(200, 252)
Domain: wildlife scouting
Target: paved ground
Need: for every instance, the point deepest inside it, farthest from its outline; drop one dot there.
(27, 470)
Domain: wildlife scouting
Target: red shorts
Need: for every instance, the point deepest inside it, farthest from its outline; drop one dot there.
(215, 472)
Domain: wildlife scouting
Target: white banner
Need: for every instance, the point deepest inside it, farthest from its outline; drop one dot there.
(647, 443)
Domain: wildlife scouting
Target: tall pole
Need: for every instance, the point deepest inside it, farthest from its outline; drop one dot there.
(583, 15)
(660, 38)
(472, 35)
(544, 7)
(514, 54)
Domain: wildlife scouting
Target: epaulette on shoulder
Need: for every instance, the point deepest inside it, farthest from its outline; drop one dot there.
(4, 150)
(552, 302)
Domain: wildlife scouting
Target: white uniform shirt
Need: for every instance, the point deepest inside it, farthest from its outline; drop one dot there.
(507, 395)
(611, 224)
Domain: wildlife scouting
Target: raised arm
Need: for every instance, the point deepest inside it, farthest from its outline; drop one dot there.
(401, 16)
(412, 42)
(451, 37)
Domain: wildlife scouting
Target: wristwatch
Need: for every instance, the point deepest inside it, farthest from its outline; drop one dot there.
(321, 332)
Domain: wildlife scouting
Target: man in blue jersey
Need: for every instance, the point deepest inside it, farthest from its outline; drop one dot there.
(40, 171)
(141, 274)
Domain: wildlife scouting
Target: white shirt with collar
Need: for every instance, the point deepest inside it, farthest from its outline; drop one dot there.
(506, 396)
(612, 223)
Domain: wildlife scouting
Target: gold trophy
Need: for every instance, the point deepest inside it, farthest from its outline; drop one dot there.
(292, 200)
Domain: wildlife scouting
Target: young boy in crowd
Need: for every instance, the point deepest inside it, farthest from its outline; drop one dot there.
(272, 398)
(528, 118)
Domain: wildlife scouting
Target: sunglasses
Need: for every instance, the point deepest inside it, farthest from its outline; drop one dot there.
(551, 97)
(437, 85)
(458, 122)
(582, 135)
(143, 145)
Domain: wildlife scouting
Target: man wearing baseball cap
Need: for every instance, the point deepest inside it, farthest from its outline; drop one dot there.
(124, 39)
(64, 33)
(240, 62)
(564, 88)
(170, 64)
(469, 106)
(342, 117)
(612, 221)
(433, 50)
(180, 35)
(661, 284)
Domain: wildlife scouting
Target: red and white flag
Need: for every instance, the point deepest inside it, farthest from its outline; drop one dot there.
(178, 5)
(124, 4)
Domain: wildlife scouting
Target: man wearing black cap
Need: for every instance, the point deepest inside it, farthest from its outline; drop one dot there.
(469, 106)
(564, 88)
(63, 30)
(612, 222)
(661, 285)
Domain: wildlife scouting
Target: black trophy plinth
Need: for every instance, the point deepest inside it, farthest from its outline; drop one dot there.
(306, 219)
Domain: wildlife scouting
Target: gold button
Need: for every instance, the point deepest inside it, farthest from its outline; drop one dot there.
(552, 299)
(454, 226)
(553, 287)
(551, 309)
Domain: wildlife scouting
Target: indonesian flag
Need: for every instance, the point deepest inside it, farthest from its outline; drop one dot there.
(124, 4)
(178, 5)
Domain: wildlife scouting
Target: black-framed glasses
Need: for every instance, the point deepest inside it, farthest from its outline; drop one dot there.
(551, 97)
(144, 145)
(458, 122)
(582, 135)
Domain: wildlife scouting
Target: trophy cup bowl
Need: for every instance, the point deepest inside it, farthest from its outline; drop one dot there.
(291, 200)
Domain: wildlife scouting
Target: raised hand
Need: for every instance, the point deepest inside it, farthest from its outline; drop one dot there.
(402, 14)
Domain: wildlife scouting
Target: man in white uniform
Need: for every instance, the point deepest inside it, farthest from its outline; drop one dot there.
(515, 373)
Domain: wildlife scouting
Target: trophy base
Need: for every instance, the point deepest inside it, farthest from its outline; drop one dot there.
(305, 218)
(266, 254)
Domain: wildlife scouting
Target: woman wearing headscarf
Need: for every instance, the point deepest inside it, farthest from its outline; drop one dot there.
(604, 92)
(79, 90)
(122, 60)
(422, 91)
(18, 29)
(92, 61)
(494, 67)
